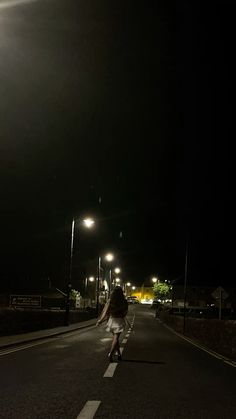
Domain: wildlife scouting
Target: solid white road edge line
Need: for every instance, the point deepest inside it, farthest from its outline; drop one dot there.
(89, 409)
(209, 351)
(21, 348)
(12, 3)
(110, 370)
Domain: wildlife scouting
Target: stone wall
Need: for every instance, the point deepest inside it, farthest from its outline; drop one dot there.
(14, 321)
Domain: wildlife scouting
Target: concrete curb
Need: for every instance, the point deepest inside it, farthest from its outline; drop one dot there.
(42, 334)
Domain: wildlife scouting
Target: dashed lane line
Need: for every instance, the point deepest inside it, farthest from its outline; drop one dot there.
(89, 409)
(110, 370)
(112, 366)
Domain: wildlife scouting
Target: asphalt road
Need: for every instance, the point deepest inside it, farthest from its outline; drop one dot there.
(161, 376)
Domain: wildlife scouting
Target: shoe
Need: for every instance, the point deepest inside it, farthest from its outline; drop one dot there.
(110, 357)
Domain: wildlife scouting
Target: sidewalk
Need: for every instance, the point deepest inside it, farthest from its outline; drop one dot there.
(12, 340)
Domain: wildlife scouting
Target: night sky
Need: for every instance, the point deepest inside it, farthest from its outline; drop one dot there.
(123, 111)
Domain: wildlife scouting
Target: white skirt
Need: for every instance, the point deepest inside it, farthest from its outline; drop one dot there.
(115, 324)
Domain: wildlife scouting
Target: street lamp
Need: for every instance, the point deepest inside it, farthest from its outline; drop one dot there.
(117, 270)
(88, 223)
(90, 279)
(154, 279)
(128, 284)
(109, 258)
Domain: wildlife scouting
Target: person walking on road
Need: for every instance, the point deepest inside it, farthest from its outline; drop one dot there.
(115, 312)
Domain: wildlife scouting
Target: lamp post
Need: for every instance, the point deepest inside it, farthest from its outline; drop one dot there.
(87, 280)
(185, 285)
(88, 223)
(98, 286)
(109, 258)
(128, 284)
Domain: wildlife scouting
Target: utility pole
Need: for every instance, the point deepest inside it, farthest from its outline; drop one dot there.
(185, 285)
(98, 286)
(67, 318)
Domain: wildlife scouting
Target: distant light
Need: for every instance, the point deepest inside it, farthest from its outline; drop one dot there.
(91, 278)
(133, 288)
(88, 222)
(109, 257)
(117, 270)
(117, 279)
(154, 280)
(128, 284)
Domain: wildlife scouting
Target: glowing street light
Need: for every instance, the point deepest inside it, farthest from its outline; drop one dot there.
(117, 280)
(117, 270)
(88, 223)
(91, 278)
(109, 257)
(154, 279)
(133, 288)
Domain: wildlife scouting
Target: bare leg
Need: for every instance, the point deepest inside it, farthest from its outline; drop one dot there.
(118, 345)
(115, 344)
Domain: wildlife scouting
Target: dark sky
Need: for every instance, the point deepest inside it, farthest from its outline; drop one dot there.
(121, 110)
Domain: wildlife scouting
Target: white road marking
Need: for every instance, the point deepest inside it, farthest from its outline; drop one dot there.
(105, 339)
(22, 347)
(209, 351)
(232, 363)
(124, 340)
(110, 370)
(12, 3)
(89, 409)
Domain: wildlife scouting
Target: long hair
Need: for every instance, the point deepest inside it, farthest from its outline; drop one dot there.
(118, 304)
